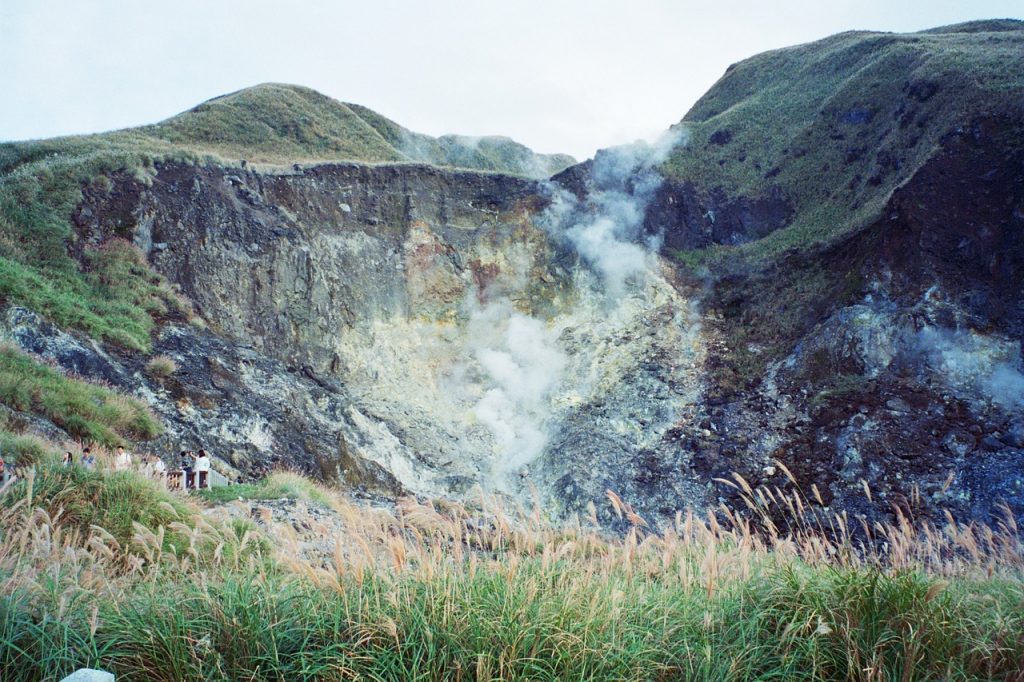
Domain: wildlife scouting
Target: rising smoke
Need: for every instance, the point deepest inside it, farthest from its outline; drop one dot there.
(517, 358)
(521, 364)
(976, 364)
(606, 226)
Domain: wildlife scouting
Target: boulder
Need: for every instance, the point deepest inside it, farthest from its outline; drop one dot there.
(1014, 436)
(89, 675)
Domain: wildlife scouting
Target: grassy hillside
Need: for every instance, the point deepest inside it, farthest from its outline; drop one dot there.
(838, 124)
(88, 412)
(108, 290)
(143, 583)
(276, 124)
(284, 124)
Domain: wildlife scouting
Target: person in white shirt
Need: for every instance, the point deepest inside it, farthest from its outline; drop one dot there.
(122, 460)
(159, 469)
(202, 468)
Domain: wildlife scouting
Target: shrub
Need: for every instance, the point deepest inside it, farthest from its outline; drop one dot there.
(161, 367)
(22, 450)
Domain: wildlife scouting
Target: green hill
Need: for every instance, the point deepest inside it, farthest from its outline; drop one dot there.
(283, 124)
(109, 291)
(276, 123)
(836, 125)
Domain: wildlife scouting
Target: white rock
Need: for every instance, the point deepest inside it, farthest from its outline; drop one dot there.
(89, 675)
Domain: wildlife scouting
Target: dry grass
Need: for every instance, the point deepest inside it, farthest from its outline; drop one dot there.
(438, 590)
(161, 367)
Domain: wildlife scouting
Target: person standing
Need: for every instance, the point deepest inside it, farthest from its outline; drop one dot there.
(88, 459)
(122, 460)
(202, 469)
(67, 460)
(159, 469)
(187, 462)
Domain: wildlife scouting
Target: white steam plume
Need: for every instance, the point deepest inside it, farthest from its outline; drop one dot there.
(606, 226)
(521, 365)
(516, 362)
(975, 363)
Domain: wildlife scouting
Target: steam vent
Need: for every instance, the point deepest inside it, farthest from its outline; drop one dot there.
(289, 391)
(836, 286)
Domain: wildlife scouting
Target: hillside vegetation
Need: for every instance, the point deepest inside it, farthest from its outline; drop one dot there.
(108, 290)
(831, 130)
(275, 123)
(836, 125)
(283, 124)
(86, 411)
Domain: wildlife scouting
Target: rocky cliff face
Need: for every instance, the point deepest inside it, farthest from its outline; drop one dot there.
(835, 287)
(408, 328)
(879, 345)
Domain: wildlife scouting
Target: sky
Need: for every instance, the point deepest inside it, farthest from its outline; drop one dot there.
(557, 75)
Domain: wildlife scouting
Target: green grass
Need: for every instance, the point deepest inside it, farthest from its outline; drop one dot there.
(140, 515)
(839, 123)
(107, 290)
(21, 449)
(112, 500)
(537, 603)
(277, 123)
(785, 624)
(86, 411)
(280, 124)
(276, 486)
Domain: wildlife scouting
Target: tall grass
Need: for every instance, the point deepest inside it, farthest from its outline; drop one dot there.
(107, 290)
(112, 500)
(437, 592)
(86, 411)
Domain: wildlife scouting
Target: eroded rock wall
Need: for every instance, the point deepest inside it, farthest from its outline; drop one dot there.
(448, 336)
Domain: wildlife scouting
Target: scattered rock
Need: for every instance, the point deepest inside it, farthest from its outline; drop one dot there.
(958, 443)
(991, 443)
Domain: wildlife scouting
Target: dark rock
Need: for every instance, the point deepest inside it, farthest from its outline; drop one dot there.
(691, 217)
(721, 137)
(1014, 436)
(857, 116)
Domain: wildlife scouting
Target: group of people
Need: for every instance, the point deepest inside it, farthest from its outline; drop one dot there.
(88, 461)
(195, 466)
(152, 465)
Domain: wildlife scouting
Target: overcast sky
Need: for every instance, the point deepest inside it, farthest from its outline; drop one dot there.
(557, 75)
